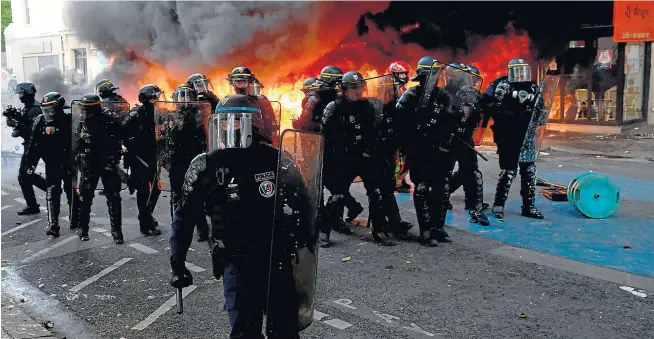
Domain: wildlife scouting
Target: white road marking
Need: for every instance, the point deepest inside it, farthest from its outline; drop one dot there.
(633, 291)
(42, 208)
(21, 200)
(12, 188)
(102, 273)
(19, 227)
(143, 248)
(65, 218)
(338, 323)
(345, 303)
(40, 197)
(417, 328)
(93, 214)
(163, 309)
(102, 231)
(317, 315)
(48, 249)
(4, 193)
(194, 268)
(5, 206)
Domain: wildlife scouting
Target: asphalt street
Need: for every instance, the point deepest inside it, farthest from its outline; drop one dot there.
(562, 277)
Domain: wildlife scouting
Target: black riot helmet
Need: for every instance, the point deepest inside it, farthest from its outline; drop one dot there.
(354, 82)
(200, 83)
(52, 104)
(425, 65)
(519, 70)
(309, 85)
(149, 93)
(26, 92)
(104, 88)
(238, 124)
(242, 80)
(90, 104)
(331, 76)
(185, 93)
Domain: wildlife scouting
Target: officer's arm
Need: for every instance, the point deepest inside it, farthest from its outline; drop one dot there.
(191, 206)
(328, 118)
(26, 122)
(404, 113)
(33, 150)
(310, 103)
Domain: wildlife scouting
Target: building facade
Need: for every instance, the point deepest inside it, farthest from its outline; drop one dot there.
(39, 37)
(606, 83)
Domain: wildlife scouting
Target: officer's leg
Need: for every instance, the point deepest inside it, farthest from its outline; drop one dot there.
(528, 190)
(373, 184)
(53, 198)
(420, 175)
(142, 180)
(401, 170)
(439, 195)
(354, 208)
(398, 227)
(111, 182)
(244, 300)
(72, 194)
(337, 186)
(508, 170)
(88, 183)
(154, 198)
(473, 186)
(26, 181)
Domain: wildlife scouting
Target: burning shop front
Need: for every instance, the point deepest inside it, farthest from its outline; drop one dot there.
(605, 74)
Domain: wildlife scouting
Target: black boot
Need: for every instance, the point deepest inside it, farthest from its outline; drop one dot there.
(115, 217)
(84, 215)
(353, 210)
(147, 224)
(504, 182)
(440, 195)
(73, 211)
(335, 207)
(528, 191)
(420, 201)
(29, 210)
(379, 234)
(474, 191)
(53, 202)
(323, 227)
(478, 217)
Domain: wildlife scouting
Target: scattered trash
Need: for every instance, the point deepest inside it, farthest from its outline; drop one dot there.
(407, 262)
(64, 285)
(639, 293)
(41, 285)
(48, 325)
(560, 165)
(22, 300)
(626, 152)
(627, 247)
(544, 153)
(346, 259)
(389, 267)
(523, 316)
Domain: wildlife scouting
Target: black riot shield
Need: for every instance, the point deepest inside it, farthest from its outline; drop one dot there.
(294, 250)
(118, 110)
(538, 123)
(182, 133)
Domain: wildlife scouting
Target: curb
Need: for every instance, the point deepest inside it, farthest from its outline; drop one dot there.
(16, 324)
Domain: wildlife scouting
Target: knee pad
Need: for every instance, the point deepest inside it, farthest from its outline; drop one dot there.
(421, 190)
(375, 195)
(336, 199)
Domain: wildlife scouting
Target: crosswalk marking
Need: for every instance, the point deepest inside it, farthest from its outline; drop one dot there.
(20, 227)
(317, 315)
(102, 273)
(194, 268)
(170, 303)
(4, 193)
(338, 323)
(143, 248)
(5, 206)
(48, 249)
(21, 200)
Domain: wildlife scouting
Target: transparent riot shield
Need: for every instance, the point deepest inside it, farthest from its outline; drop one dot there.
(538, 123)
(431, 84)
(182, 133)
(294, 250)
(382, 93)
(117, 111)
(277, 109)
(225, 116)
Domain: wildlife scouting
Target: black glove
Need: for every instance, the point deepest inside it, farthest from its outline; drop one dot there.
(181, 276)
(218, 259)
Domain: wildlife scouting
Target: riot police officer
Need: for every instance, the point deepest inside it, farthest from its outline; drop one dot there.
(96, 153)
(304, 122)
(513, 96)
(187, 139)
(22, 124)
(141, 157)
(240, 196)
(51, 141)
(243, 82)
(203, 87)
(468, 173)
(351, 141)
(399, 71)
(423, 132)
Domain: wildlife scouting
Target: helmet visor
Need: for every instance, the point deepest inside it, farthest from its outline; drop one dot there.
(243, 85)
(184, 95)
(202, 85)
(519, 73)
(232, 130)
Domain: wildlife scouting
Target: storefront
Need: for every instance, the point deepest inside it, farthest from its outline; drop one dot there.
(605, 73)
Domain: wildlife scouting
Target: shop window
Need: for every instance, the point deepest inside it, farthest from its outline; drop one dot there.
(80, 61)
(634, 72)
(604, 80)
(578, 103)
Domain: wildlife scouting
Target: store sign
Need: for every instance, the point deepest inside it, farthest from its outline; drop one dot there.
(633, 21)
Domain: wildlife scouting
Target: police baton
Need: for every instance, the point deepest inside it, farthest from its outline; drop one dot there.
(180, 301)
(471, 147)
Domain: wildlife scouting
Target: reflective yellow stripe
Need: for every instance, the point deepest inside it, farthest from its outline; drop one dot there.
(241, 75)
(104, 83)
(518, 65)
(49, 102)
(332, 74)
(89, 104)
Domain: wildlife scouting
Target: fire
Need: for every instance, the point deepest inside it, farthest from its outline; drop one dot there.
(370, 54)
(555, 110)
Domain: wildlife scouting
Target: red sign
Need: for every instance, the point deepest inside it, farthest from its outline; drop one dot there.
(633, 21)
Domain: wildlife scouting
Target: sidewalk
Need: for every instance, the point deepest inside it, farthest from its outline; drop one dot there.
(18, 325)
